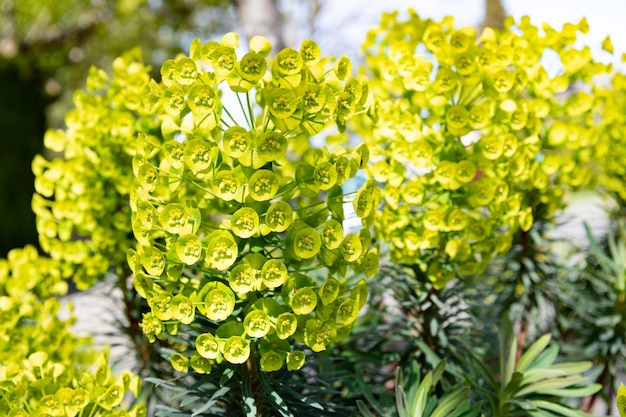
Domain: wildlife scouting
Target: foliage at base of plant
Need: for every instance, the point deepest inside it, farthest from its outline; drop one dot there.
(414, 397)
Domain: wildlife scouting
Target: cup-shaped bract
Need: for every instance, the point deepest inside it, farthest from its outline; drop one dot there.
(222, 250)
(236, 349)
(279, 216)
(263, 185)
(256, 323)
(295, 360)
(242, 278)
(274, 273)
(219, 302)
(189, 249)
(286, 325)
(207, 346)
(245, 222)
(201, 364)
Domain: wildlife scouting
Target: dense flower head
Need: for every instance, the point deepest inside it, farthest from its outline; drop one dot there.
(239, 214)
(81, 199)
(474, 131)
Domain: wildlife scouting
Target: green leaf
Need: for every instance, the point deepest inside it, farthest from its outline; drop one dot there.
(537, 374)
(422, 396)
(508, 367)
(438, 371)
(596, 249)
(363, 409)
(412, 382)
(226, 376)
(217, 395)
(365, 390)
(431, 357)
(550, 384)
(450, 402)
(310, 401)
(402, 404)
(546, 358)
(574, 392)
(513, 385)
(561, 409)
(533, 351)
(249, 404)
(464, 410)
(572, 368)
(273, 397)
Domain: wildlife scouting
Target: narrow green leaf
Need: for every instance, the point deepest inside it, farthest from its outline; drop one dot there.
(365, 412)
(459, 410)
(422, 396)
(227, 375)
(450, 401)
(272, 396)
(431, 357)
(546, 358)
(533, 351)
(365, 390)
(550, 384)
(412, 381)
(513, 385)
(572, 368)
(537, 374)
(509, 365)
(464, 411)
(212, 401)
(606, 262)
(544, 413)
(402, 403)
(574, 392)
(438, 371)
(311, 402)
(561, 409)
(249, 404)
(189, 399)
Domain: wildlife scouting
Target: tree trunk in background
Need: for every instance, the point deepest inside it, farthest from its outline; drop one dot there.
(22, 126)
(494, 14)
(261, 17)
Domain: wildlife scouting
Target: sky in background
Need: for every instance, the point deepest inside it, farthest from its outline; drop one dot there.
(342, 27)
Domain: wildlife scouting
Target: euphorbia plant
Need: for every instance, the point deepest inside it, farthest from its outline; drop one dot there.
(218, 196)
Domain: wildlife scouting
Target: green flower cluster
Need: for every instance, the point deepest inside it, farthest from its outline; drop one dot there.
(81, 199)
(610, 149)
(474, 134)
(44, 367)
(238, 216)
